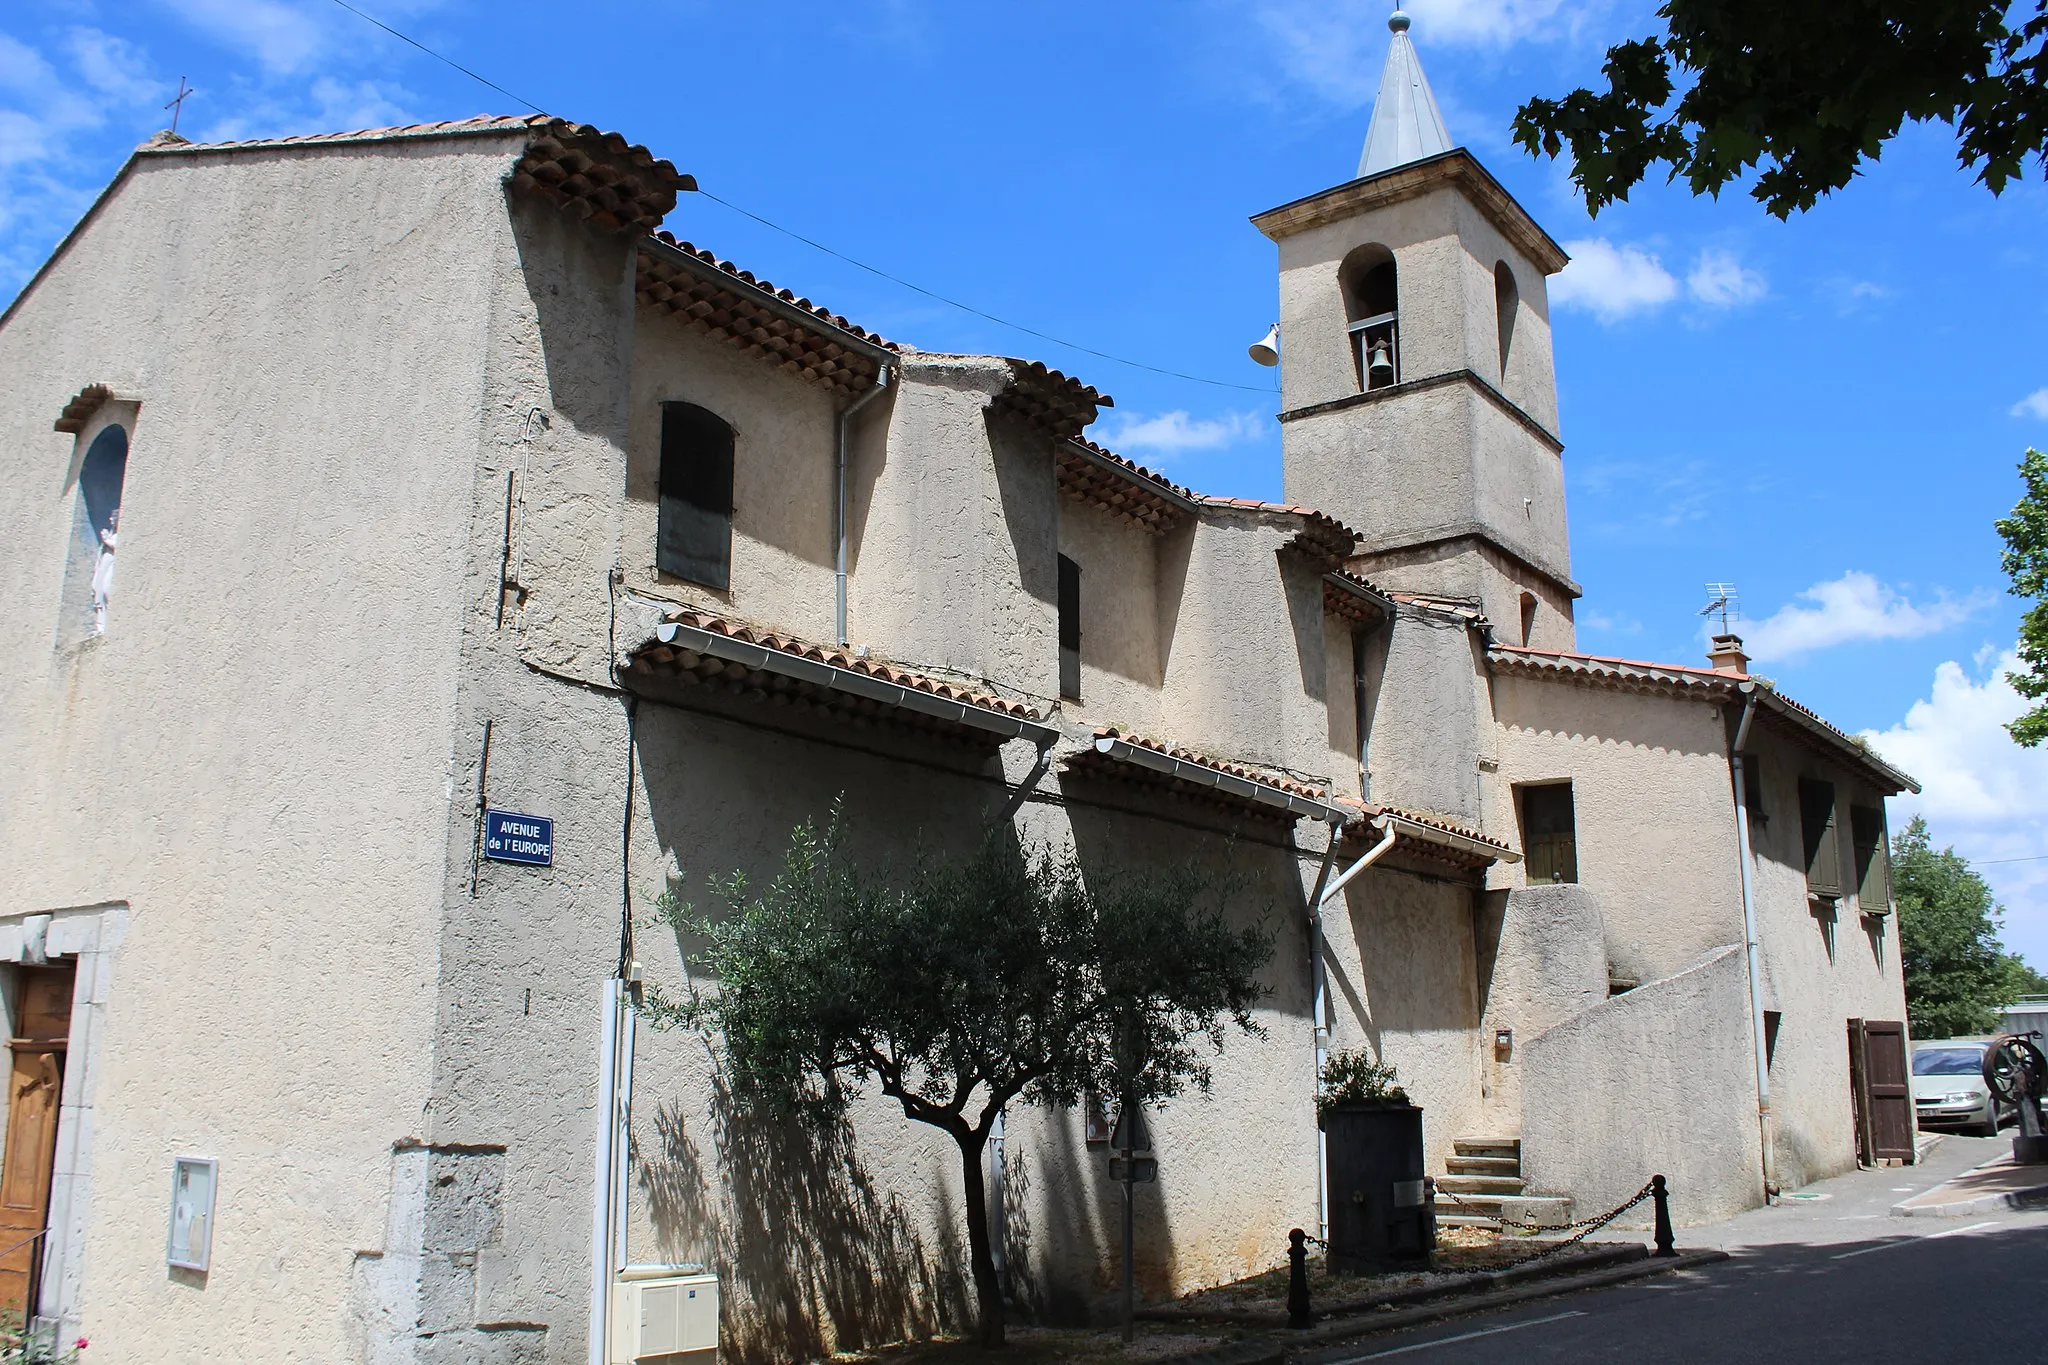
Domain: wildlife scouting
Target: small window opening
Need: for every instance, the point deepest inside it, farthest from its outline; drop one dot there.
(1372, 316)
(1817, 833)
(1070, 629)
(1772, 1018)
(1872, 860)
(1528, 618)
(1550, 844)
(95, 532)
(693, 537)
(1506, 302)
(1361, 705)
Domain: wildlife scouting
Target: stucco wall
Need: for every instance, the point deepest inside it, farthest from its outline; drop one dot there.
(785, 475)
(1654, 811)
(1542, 960)
(1404, 983)
(1659, 1081)
(1816, 992)
(1424, 739)
(1121, 660)
(255, 757)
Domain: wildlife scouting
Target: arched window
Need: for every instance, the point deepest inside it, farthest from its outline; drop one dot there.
(1506, 300)
(96, 529)
(1372, 315)
(693, 536)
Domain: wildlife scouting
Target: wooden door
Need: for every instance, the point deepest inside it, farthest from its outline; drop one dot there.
(1888, 1088)
(1859, 1093)
(42, 1015)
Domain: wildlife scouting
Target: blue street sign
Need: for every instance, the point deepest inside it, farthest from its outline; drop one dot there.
(510, 837)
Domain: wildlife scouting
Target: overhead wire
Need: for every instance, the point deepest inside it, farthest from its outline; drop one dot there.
(840, 255)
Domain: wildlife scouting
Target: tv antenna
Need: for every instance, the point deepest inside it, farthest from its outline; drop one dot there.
(1721, 602)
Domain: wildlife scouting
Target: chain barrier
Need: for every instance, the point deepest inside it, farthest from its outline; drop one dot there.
(1582, 1229)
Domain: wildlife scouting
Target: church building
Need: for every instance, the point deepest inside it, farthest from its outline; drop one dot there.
(492, 562)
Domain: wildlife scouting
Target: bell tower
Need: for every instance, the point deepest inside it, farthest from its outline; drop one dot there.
(1418, 397)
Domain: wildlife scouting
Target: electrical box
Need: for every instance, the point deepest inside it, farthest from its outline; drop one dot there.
(666, 1314)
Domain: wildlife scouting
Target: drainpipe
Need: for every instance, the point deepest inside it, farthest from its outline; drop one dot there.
(614, 1022)
(1322, 994)
(1756, 989)
(839, 517)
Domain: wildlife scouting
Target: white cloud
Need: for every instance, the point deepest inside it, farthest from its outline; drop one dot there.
(1337, 47)
(1168, 434)
(1855, 607)
(1720, 281)
(1612, 282)
(2034, 404)
(283, 37)
(1980, 791)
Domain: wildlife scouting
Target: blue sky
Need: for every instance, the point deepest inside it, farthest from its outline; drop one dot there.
(1827, 412)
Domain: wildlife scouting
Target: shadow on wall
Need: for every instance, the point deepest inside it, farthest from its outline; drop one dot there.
(815, 1256)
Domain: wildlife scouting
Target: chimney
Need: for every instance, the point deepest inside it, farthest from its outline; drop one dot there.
(1727, 654)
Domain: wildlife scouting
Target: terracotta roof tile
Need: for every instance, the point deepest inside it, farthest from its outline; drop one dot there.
(1353, 597)
(1266, 776)
(80, 409)
(729, 304)
(616, 185)
(1321, 533)
(1055, 402)
(1102, 478)
(1719, 684)
(687, 666)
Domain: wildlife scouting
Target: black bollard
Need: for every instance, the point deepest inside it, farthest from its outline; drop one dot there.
(1297, 1279)
(1662, 1197)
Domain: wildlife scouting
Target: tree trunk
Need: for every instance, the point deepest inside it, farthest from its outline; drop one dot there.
(988, 1292)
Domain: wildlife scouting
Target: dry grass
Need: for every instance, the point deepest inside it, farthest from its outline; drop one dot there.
(1042, 1345)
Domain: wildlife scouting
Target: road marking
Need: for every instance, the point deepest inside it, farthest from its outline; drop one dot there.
(1463, 1336)
(1930, 1237)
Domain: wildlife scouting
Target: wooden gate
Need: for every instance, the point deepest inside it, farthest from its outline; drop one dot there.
(1882, 1079)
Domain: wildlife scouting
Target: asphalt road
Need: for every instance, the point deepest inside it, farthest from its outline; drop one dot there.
(1825, 1279)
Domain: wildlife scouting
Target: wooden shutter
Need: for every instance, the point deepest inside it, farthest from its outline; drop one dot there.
(36, 1088)
(1070, 628)
(1549, 833)
(693, 539)
(1817, 831)
(1889, 1089)
(1873, 862)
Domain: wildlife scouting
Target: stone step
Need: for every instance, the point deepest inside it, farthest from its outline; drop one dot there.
(1486, 1146)
(1528, 1210)
(1463, 1185)
(1466, 1220)
(1483, 1165)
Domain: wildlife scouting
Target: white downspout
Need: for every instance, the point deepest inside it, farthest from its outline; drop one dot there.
(1322, 1003)
(607, 1231)
(1756, 990)
(840, 519)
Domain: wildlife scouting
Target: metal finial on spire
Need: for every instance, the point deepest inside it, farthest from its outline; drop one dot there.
(1406, 124)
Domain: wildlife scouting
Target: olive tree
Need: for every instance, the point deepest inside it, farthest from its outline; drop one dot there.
(958, 985)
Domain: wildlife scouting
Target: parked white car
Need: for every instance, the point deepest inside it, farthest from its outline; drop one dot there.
(1949, 1089)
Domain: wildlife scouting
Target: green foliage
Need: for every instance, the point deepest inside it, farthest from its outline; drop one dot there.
(1809, 90)
(1958, 974)
(956, 986)
(1351, 1076)
(20, 1345)
(2025, 533)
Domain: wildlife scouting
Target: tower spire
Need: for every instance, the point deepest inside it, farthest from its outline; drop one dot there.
(1406, 124)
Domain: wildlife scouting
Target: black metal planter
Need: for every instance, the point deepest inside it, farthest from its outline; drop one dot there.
(1379, 1214)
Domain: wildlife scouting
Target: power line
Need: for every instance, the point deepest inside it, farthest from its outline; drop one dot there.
(439, 58)
(970, 308)
(820, 246)
(2031, 858)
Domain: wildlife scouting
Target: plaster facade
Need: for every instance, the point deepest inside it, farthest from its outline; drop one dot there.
(351, 616)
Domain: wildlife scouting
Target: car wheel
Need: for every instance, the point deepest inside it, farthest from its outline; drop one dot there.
(1989, 1128)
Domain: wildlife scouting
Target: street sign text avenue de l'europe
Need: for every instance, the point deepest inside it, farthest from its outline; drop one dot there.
(510, 837)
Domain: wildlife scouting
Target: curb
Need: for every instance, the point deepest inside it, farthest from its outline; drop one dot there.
(1277, 1350)
(1595, 1257)
(2032, 1197)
